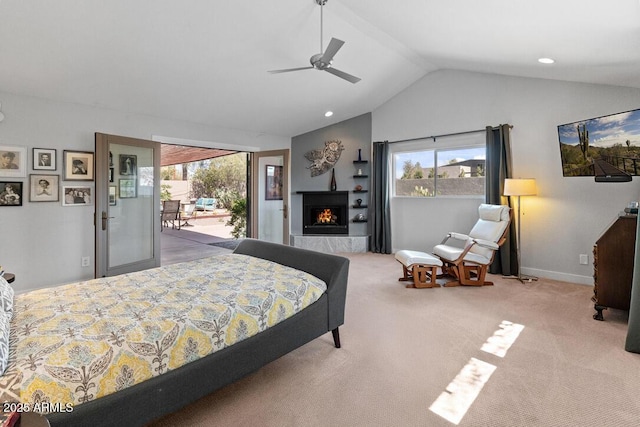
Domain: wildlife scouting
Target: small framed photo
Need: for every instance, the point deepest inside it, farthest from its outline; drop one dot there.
(110, 174)
(78, 165)
(44, 188)
(77, 195)
(273, 190)
(127, 188)
(10, 193)
(112, 195)
(44, 159)
(128, 164)
(13, 161)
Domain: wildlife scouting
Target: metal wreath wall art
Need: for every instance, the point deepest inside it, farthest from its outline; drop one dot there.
(325, 158)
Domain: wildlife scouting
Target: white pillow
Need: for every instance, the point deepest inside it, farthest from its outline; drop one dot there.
(6, 297)
(493, 212)
(5, 321)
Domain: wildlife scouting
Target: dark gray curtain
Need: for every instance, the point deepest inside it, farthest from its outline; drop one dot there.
(380, 214)
(498, 167)
(633, 333)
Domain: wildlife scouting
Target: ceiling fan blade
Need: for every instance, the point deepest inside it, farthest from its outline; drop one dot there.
(342, 74)
(332, 49)
(289, 69)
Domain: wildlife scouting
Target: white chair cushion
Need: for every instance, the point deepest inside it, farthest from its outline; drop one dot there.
(408, 258)
(494, 219)
(493, 212)
(451, 253)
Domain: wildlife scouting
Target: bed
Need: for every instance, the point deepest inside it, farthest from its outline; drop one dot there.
(268, 300)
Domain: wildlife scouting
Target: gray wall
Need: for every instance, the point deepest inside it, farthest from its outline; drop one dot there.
(567, 216)
(355, 134)
(43, 243)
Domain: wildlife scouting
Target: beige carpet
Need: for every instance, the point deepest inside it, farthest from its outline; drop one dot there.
(402, 347)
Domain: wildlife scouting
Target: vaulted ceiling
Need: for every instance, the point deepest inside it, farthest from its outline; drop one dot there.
(206, 61)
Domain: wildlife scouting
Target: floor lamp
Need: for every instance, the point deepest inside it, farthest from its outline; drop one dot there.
(520, 187)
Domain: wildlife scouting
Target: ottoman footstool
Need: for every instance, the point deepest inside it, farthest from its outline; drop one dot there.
(420, 267)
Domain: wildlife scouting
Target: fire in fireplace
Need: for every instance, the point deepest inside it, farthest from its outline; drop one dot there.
(325, 212)
(326, 216)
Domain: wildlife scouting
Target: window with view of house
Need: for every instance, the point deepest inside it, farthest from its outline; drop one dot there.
(452, 166)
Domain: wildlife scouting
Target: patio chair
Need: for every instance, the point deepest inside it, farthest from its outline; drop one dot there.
(188, 212)
(170, 214)
(468, 261)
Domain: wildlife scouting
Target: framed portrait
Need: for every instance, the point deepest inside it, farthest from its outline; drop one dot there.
(10, 193)
(110, 174)
(112, 195)
(273, 190)
(44, 159)
(44, 188)
(128, 164)
(78, 165)
(13, 161)
(77, 195)
(127, 188)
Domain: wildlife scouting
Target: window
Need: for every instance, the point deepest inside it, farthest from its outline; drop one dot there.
(451, 166)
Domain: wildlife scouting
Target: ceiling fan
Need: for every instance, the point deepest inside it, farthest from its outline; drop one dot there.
(322, 61)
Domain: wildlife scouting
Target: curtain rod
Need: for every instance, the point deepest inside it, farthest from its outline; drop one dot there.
(443, 135)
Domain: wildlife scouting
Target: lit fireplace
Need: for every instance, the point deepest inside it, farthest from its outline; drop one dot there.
(325, 212)
(327, 217)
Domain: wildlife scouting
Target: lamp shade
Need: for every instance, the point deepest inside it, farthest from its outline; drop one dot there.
(520, 187)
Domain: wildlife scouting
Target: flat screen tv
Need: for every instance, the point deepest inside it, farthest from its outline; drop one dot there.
(607, 147)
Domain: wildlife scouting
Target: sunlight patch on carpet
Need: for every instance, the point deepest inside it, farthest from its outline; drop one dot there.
(457, 398)
(455, 401)
(502, 339)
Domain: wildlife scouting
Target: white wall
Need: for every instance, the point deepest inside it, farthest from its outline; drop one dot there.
(42, 243)
(567, 216)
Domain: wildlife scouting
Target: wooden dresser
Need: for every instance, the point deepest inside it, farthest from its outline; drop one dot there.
(613, 257)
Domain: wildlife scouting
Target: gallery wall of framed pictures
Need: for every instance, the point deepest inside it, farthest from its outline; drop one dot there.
(36, 181)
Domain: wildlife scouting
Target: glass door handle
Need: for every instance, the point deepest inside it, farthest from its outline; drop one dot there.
(104, 220)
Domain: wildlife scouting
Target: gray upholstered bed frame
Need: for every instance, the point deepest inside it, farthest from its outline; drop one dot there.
(167, 393)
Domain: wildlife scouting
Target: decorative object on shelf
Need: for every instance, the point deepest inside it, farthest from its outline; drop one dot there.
(359, 202)
(333, 186)
(360, 217)
(359, 154)
(359, 171)
(358, 187)
(325, 158)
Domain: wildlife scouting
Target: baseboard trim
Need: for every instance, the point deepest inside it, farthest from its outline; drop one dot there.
(556, 275)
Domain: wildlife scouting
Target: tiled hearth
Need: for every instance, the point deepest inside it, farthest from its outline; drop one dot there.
(331, 244)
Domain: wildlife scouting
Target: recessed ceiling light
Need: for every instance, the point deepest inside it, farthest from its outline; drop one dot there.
(328, 114)
(546, 61)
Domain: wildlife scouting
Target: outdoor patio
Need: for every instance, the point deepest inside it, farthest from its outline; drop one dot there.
(195, 240)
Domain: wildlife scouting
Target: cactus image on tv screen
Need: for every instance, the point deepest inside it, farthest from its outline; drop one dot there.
(607, 147)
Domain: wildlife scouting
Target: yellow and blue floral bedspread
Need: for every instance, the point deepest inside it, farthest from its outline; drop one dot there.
(78, 342)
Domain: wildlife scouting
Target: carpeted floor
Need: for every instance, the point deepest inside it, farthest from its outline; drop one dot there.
(401, 348)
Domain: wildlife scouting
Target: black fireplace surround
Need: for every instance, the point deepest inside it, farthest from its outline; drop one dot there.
(325, 212)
